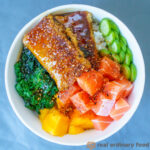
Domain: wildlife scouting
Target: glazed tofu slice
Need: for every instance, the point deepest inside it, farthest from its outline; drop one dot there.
(79, 28)
(56, 53)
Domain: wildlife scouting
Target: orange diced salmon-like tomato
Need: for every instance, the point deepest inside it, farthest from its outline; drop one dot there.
(65, 95)
(81, 101)
(90, 82)
(119, 109)
(118, 89)
(104, 105)
(90, 114)
(109, 68)
(113, 90)
(99, 95)
(128, 87)
(102, 122)
(105, 80)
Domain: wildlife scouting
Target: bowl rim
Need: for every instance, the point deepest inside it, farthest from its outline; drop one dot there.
(38, 17)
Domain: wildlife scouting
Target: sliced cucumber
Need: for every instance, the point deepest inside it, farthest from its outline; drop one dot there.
(133, 72)
(114, 27)
(104, 52)
(111, 37)
(122, 56)
(125, 69)
(105, 26)
(115, 47)
(116, 58)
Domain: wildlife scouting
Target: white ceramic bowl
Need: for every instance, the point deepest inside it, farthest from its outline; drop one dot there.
(31, 121)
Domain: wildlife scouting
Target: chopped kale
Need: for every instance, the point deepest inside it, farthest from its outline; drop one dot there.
(34, 83)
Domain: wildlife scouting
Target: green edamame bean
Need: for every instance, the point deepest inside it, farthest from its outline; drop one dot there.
(104, 52)
(130, 53)
(116, 58)
(125, 69)
(128, 59)
(105, 26)
(122, 56)
(133, 72)
(111, 37)
(122, 38)
(114, 27)
(123, 46)
(115, 47)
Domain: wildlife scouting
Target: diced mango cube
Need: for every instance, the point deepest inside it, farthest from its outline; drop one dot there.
(43, 113)
(84, 123)
(75, 130)
(80, 121)
(55, 123)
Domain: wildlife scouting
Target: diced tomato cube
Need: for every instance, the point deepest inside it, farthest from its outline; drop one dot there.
(65, 95)
(81, 101)
(89, 114)
(128, 91)
(101, 122)
(119, 109)
(90, 82)
(113, 90)
(104, 105)
(118, 89)
(109, 68)
(128, 87)
(105, 80)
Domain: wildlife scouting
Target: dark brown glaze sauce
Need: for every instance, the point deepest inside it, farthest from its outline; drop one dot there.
(80, 23)
(50, 45)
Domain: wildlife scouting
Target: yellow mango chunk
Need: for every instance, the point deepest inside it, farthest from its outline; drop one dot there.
(84, 123)
(55, 123)
(75, 130)
(43, 113)
(81, 121)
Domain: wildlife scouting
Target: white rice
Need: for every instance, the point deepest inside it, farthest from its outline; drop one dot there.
(99, 40)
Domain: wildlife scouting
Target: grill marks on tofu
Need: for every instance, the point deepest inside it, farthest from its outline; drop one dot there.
(49, 43)
(79, 28)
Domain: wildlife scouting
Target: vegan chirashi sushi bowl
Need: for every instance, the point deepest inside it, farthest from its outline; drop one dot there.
(94, 116)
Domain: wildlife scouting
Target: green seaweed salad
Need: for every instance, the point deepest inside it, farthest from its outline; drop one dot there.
(34, 83)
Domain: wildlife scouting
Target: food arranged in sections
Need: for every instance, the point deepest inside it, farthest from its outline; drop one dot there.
(75, 72)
